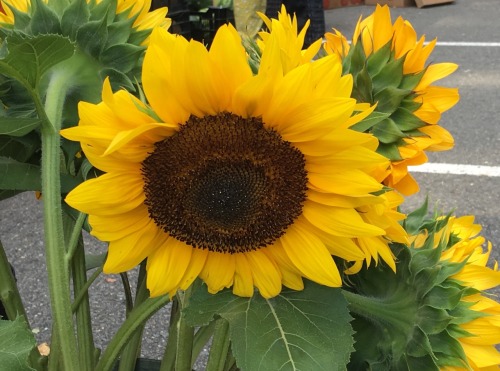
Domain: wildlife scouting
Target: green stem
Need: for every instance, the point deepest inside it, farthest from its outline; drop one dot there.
(168, 361)
(129, 301)
(83, 290)
(220, 346)
(396, 313)
(185, 336)
(135, 320)
(74, 239)
(201, 338)
(57, 264)
(83, 319)
(132, 350)
(9, 294)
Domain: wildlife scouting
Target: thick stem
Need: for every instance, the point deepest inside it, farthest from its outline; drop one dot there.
(83, 319)
(57, 264)
(132, 350)
(220, 346)
(168, 361)
(397, 311)
(135, 320)
(185, 336)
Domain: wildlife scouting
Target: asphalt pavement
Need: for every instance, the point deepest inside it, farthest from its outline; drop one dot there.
(470, 33)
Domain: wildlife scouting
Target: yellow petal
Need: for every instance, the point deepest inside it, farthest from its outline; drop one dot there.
(310, 256)
(167, 266)
(110, 194)
(243, 277)
(218, 271)
(266, 276)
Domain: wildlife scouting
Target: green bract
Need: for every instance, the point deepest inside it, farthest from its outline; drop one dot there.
(379, 78)
(415, 314)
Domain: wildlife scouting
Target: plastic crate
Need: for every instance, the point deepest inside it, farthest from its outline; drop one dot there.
(178, 12)
(204, 24)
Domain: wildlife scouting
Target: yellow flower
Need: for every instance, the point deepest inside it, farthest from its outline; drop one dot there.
(481, 334)
(292, 41)
(243, 180)
(410, 127)
(138, 9)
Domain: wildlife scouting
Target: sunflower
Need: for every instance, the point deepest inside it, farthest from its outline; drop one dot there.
(389, 68)
(243, 180)
(134, 9)
(433, 313)
(482, 332)
(286, 27)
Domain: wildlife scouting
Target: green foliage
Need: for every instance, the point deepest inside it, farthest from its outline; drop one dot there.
(297, 330)
(16, 343)
(414, 313)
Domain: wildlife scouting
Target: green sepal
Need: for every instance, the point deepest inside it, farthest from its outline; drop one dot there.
(390, 75)
(118, 79)
(390, 98)
(43, 19)
(433, 320)
(92, 36)
(376, 62)
(362, 88)
(444, 296)
(302, 328)
(406, 120)
(448, 350)
(119, 32)
(355, 60)
(368, 122)
(21, 20)
(416, 218)
(122, 57)
(419, 345)
(75, 15)
(410, 81)
(387, 131)
(390, 151)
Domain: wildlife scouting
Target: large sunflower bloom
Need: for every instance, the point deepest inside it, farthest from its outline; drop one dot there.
(482, 333)
(245, 181)
(389, 65)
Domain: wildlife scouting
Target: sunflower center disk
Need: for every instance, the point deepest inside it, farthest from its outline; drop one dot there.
(225, 183)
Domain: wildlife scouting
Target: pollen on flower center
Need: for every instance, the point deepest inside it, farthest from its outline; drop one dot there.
(225, 183)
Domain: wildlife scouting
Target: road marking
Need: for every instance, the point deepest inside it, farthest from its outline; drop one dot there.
(466, 43)
(457, 169)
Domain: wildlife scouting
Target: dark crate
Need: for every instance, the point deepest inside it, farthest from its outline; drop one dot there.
(205, 24)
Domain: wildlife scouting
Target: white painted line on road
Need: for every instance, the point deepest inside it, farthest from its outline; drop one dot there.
(457, 169)
(467, 43)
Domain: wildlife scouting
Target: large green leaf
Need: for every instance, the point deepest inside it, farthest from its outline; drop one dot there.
(18, 176)
(18, 127)
(16, 342)
(27, 58)
(296, 330)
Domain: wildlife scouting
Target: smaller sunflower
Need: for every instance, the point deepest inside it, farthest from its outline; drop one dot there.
(390, 68)
(434, 314)
(464, 246)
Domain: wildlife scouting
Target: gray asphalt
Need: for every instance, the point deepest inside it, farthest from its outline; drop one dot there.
(473, 123)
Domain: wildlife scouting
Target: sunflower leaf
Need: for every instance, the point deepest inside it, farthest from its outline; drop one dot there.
(307, 329)
(18, 126)
(27, 58)
(16, 342)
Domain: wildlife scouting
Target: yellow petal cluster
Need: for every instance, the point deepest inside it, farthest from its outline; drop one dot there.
(465, 245)
(376, 31)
